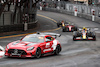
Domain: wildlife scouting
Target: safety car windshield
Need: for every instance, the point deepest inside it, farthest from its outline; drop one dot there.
(36, 39)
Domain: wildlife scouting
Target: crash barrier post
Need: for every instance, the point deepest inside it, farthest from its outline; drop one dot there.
(75, 11)
(25, 26)
(25, 20)
(40, 7)
(93, 15)
(82, 11)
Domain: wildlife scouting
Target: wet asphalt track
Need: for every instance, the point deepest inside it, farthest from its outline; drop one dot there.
(74, 53)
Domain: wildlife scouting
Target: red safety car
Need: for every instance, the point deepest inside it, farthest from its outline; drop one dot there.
(34, 45)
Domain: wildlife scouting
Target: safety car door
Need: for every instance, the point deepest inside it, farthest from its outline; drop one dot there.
(48, 44)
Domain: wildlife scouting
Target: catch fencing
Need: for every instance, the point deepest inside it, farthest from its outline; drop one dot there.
(81, 8)
(85, 11)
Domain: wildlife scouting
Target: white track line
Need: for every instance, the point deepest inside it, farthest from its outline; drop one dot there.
(75, 51)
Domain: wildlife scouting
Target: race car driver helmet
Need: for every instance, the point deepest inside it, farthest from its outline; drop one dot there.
(62, 21)
(84, 28)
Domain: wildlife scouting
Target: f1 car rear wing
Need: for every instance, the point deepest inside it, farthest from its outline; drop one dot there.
(55, 35)
(89, 28)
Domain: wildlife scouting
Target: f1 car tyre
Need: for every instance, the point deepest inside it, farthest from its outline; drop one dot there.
(63, 30)
(38, 53)
(58, 49)
(74, 38)
(58, 24)
(94, 38)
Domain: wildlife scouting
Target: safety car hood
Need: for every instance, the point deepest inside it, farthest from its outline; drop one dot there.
(22, 44)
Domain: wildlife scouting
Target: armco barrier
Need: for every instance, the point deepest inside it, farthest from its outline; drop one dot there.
(9, 28)
(97, 19)
(32, 25)
(83, 15)
(16, 27)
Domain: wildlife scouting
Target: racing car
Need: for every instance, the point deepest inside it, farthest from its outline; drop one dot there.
(2, 52)
(34, 45)
(60, 24)
(69, 27)
(84, 34)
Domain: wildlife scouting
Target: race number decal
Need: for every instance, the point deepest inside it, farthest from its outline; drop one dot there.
(47, 45)
(54, 44)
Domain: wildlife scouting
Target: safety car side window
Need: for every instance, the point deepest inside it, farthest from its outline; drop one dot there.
(49, 39)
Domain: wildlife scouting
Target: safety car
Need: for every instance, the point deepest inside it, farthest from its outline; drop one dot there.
(34, 45)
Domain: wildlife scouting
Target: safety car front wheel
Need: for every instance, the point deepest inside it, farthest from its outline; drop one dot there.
(38, 53)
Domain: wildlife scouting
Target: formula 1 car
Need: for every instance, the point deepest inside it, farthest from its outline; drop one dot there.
(34, 45)
(69, 27)
(60, 24)
(84, 34)
(2, 52)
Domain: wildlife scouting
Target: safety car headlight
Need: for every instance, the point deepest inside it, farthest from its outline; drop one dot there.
(7, 47)
(30, 48)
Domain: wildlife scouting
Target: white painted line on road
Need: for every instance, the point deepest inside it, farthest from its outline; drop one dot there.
(67, 63)
(75, 51)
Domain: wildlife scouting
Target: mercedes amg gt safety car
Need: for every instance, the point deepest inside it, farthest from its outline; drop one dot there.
(84, 34)
(34, 45)
(2, 52)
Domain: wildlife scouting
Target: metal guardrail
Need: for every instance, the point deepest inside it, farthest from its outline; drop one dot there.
(89, 12)
(83, 15)
(16, 27)
(82, 8)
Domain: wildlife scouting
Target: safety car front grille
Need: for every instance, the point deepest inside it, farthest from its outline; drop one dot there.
(22, 52)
